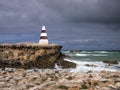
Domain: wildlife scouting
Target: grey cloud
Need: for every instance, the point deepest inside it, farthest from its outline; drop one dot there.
(21, 11)
(96, 11)
(45, 11)
(17, 16)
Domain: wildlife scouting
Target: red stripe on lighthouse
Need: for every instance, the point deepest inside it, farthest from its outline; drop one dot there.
(43, 36)
(43, 31)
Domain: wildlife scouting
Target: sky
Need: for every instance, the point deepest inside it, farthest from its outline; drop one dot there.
(75, 24)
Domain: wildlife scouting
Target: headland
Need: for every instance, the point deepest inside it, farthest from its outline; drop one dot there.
(32, 55)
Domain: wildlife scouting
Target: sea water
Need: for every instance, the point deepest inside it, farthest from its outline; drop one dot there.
(95, 58)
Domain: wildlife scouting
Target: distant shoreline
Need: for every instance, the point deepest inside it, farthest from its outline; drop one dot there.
(91, 50)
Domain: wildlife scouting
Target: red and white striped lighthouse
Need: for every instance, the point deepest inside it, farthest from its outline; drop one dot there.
(43, 36)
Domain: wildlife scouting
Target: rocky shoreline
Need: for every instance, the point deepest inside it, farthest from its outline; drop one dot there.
(52, 79)
(32, 55)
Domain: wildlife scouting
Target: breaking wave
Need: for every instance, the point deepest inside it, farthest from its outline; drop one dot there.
(91, 55)
(97, 66)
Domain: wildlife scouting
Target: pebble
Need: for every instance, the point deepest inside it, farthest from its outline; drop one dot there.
(51, 79)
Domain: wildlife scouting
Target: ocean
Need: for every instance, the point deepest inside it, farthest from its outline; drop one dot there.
(94, 58)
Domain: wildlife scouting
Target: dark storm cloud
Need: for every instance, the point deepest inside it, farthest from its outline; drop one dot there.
(36, 11)
(96, 11)
(24, 14)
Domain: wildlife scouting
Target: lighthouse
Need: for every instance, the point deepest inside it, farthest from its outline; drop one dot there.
(43, 36)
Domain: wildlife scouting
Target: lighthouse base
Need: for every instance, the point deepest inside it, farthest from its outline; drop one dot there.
(41, 41)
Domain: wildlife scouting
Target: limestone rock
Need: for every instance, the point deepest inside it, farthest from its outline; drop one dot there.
(32, 56)
(52, 79)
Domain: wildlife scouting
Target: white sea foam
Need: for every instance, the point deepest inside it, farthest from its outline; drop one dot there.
(98, 54)
(100, 66)
(101, 52)
(87, 59)
(84, 55)
(86, 52)
(10, 69)
(86, 69)
(57, 67)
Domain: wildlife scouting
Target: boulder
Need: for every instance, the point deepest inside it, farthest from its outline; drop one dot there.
(66, 64)
(110, 62)
(90, 65)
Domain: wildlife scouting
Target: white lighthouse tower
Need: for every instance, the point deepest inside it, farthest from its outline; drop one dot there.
(43, 36)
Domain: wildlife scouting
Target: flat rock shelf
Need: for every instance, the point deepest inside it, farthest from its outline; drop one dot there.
(51, 79)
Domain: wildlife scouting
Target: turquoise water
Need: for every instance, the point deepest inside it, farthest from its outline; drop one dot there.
(94, 55)
(95, 58)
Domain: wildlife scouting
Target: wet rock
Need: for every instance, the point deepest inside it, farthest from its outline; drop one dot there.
(110, 62)
(66, 64)
(66, 56)
(90, 65)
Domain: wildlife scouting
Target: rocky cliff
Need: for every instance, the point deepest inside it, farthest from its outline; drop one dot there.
(32, 56)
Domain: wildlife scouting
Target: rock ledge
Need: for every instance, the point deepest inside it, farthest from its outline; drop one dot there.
(32, 55)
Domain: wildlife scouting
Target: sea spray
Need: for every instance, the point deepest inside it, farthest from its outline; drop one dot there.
(57, 67)
(93, 60)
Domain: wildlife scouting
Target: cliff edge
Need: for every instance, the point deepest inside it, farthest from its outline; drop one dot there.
(32, 55)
